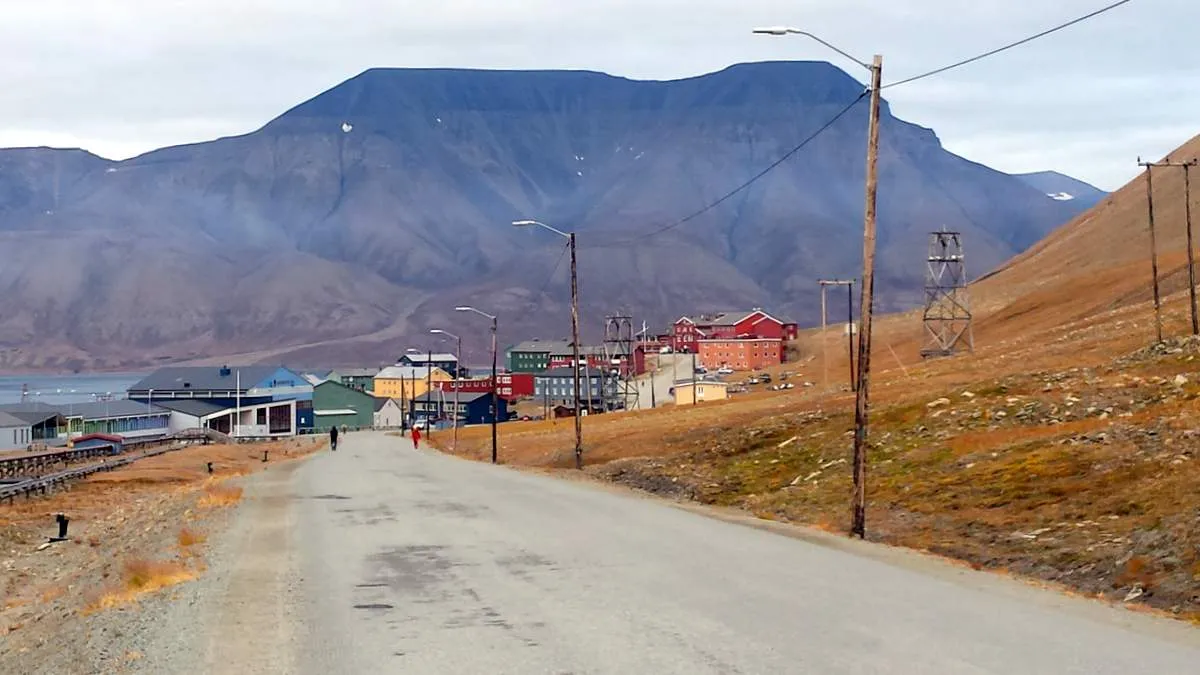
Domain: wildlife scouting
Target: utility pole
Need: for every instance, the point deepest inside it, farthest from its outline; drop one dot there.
(862, 401)
(1158, 336)
(849, 284)
(1187, 216)
(695, 385)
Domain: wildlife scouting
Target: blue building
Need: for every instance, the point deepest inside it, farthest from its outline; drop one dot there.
(472, 408)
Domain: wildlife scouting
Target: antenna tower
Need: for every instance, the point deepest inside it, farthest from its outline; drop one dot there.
(618, 356)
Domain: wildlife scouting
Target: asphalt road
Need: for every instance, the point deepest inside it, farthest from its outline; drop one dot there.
(379, 559)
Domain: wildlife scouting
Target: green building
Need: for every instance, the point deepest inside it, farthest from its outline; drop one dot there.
(533, 356)
(335, 404)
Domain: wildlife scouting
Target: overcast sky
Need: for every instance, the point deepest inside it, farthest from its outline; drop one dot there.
(120, 77)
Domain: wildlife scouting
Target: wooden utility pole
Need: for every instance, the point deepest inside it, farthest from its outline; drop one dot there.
(575, 355)
(1187, 216)
(1158, 336)
(861, 400)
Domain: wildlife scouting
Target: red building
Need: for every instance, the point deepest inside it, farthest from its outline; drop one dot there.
(688, 331)
(741, 353)
(512, 386)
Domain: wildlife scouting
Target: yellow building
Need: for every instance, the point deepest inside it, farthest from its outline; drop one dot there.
(406, 382)
(689, 391)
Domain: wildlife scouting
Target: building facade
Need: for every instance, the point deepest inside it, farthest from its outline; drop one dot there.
(388, 414)
(688, 331)
(470, 408)
(740, 353)
(690, 392)
(558, 386)
(512, 386)
(406, 382)
(125, 418)
(339, 405)
(356, 378)
(15, 433)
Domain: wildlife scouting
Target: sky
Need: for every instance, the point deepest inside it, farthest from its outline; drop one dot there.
(121, 77)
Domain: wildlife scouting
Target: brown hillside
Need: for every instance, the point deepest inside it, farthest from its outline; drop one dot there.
(1095, 263)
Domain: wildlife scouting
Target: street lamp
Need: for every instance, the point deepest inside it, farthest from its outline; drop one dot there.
(495, 394)
(457, 370)
(412, 389)
(574, 332)
(859, 500)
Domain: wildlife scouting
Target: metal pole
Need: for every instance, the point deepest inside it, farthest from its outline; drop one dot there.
(1153, 254)
(495, 396)
(861, 401)
(695, 386)
(429, 386)
(575, 355)
(1187, 213)
(850, 327)
(457, 386)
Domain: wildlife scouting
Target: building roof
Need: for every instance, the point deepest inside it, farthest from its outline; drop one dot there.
(425, 357)
(382, 401)
(542, 347)
(99, 410)
(314, 380)
(179, 378)
(688, 383)
(28, 406)
(192, 406)
(8, 421)
(407, 373)
(463, 397)
(357, 372)
(565, 371)
(726, 318)
(35, 418)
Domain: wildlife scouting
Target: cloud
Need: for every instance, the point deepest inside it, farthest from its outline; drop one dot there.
(126, 76)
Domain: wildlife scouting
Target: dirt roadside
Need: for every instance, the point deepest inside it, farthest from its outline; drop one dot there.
(135, 535)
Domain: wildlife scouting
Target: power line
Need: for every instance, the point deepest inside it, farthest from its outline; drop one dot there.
(1006, 47)
(533, 302)
(743, 186)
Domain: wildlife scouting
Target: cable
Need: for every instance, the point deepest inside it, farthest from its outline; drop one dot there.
(533, 302)
(1006, 47)
(741, 187)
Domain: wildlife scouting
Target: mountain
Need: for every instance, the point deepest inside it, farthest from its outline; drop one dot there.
(359, 219)
(1064, 188)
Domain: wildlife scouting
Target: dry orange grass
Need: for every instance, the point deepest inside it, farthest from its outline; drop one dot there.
(188, 538)
(140, 576)
(218, 495)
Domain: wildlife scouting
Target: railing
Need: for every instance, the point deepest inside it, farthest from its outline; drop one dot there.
(44, 484)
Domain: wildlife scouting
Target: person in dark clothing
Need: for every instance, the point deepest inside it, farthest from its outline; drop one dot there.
(333, 433)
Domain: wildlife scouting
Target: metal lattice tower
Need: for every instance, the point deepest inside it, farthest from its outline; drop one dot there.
(618, 343)
(947, 315)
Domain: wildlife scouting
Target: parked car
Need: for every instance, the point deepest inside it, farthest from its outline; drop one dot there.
(725, 370)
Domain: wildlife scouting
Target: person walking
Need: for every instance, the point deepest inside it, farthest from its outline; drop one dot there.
(416, 436)
(333, 434)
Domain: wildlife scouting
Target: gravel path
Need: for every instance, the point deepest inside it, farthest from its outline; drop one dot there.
(379, 559)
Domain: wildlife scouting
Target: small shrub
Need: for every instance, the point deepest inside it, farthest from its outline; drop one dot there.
(189, 538)
(216, 494)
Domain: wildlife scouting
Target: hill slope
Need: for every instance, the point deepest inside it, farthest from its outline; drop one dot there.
(373, 208)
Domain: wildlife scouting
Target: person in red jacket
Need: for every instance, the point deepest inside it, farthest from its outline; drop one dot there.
(416, 436)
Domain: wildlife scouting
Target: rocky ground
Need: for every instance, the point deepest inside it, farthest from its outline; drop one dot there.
(137, 536)
(1085, 477)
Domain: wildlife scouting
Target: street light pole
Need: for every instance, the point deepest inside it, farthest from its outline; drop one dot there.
(495, 393)
(574, 333)
(863, 375)
(455, 382)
